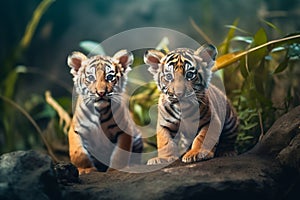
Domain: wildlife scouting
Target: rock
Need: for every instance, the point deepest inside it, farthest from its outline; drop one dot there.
(290, 156)
(27, 175)
(280, 135)
(269, 171)
(66, 173)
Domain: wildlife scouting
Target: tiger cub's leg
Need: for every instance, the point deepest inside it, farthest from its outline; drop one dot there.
(78, 155)
(121, 155)
(166, 147)
(197, 153)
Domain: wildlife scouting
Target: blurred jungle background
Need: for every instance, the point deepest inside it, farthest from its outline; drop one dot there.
(36, 36)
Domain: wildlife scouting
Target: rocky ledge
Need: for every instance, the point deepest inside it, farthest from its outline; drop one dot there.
(271, 170)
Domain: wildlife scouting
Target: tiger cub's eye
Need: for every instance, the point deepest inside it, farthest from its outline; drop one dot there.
(190, 75)
(110, 77)
(91, 78)
(169, 77)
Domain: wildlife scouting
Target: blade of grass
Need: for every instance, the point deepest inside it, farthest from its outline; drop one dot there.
(31, 120)
(199, 30)
(31, 27)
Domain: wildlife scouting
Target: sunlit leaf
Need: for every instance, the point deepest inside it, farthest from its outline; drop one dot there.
(21, 69)
(138, 111)
(271, 25)
(92, 47)
(223, 62)
(163, 44)
(227, 59)
(224, 47)
(245, 39)
(64, 117)
(31, 27)
(237, 28)
(278, 49)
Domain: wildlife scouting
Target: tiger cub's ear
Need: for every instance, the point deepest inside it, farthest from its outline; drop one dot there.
(153, 58)
(125, 58)
(75, 61)
(207, 54)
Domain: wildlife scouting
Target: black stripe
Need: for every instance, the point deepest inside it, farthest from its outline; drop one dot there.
(204, 111)
(103, 110)
(203, 125)
(188, 58)
(84, 127)
(87, 116)
(171, 112)
(111, 126)
(115, 138)
(231, 127)
(202, 114)
(86, 113)
(168, 120)
(175, 109)
(170, 130)
(158, 80)
(107, 118)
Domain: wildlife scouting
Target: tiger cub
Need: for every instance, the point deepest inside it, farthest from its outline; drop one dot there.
(102, 133)
(194, 116)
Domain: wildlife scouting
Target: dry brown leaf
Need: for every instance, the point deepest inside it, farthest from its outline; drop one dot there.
(63, 115)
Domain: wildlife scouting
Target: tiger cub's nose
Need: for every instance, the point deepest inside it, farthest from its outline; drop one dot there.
(100, 93)
(179, 93)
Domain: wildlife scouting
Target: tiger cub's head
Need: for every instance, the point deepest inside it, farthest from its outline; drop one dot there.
(99, 77)
(182, 72)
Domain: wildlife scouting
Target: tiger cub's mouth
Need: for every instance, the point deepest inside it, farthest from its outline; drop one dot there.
(174, 98)
(101, 98)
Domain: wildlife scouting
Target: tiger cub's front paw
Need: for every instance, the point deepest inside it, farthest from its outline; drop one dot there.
(197, 155)
(161, 160)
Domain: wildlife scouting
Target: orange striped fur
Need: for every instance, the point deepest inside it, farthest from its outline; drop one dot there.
(190, 109)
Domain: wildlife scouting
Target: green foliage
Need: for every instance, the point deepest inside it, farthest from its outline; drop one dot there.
(257, 69)
(8, 80)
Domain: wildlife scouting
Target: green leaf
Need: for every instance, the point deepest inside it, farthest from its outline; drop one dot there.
(250, 126)
(257, 56)
(234, 27)
(282, 66)
(271, 25)
(138, 110)
(47, 112)
(92, 47)
(248, 137)
(243, 68)
(9, 84)
(245, 39)
(278, 49)
(224, 47)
